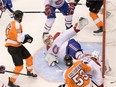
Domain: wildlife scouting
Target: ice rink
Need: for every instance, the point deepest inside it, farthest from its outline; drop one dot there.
(33, 24)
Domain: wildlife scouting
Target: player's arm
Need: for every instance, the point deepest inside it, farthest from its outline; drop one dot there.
(2, 7)
(23, 38)
(20, 36)
(86, 67)
(8, 7)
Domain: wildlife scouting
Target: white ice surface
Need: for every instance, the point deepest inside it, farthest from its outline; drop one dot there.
(33, 24)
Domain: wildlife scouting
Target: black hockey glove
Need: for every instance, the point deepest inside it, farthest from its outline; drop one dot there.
(2, 69)
(88, 3)
(76, 2)
(28, 39)
(62, 85)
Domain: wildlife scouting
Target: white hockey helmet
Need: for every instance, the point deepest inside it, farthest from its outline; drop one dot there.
(95, 54)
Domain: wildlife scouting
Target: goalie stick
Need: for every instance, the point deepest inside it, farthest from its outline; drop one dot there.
(60, 69)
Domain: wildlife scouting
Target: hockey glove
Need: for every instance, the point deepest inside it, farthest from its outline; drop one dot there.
(81, 24)
(2, 8)
(76, 2)
(62, 85)
(28, 39)
(2, 69)
(48, 10)
(71, 8)
(51, 59)
(88, 3)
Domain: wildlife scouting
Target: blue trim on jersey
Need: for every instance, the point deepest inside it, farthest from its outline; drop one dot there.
(72, 48)
(9, 2)
(64, 10)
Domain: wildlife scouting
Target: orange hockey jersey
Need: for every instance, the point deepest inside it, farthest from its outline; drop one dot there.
(14, 34)
(75, 76)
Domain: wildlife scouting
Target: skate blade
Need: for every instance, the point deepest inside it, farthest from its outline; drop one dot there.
(98, 34)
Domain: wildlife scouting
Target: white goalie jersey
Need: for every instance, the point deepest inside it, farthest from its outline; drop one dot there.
(96, 73)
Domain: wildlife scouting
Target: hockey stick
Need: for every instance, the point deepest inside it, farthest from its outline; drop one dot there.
(16, 73)
(44, 11)
(112, 82)
(38, 12)
(81, 4)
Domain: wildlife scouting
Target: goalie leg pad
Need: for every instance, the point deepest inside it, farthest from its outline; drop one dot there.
(51, 59)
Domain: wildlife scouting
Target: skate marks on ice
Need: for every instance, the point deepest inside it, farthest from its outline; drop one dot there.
(54, 73)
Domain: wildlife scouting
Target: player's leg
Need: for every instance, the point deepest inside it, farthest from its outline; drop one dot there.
(68, 17)
(94, 15)
(49, 22)
(29, 61)
(15, 52)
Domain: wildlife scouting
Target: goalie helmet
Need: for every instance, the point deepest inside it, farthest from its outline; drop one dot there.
(48, 39)
(95, 54)
(68, 60)
(18, 15)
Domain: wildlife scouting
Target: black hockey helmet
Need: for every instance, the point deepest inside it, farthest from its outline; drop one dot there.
(68, 60)
(18, 15)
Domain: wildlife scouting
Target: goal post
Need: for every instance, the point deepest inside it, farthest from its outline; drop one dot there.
(104, 39)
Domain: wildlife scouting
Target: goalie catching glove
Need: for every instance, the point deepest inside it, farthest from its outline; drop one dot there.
(28, 39)
(82, 22)
(51, 59)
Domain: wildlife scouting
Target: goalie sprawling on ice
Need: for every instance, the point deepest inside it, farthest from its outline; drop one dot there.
(63, 44)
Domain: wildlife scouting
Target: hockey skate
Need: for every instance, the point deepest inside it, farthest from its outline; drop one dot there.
(108, 14)
(98, 32)
(44, 34)
(68, 27)
(11, 84)
(82, 23)
(30, 73)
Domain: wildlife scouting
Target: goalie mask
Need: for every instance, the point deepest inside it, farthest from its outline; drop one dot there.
(95, 54)
(18, 15)
(68, 60)
(48, 40)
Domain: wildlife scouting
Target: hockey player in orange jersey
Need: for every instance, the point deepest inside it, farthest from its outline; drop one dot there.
(14, 43)
(75, 75)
